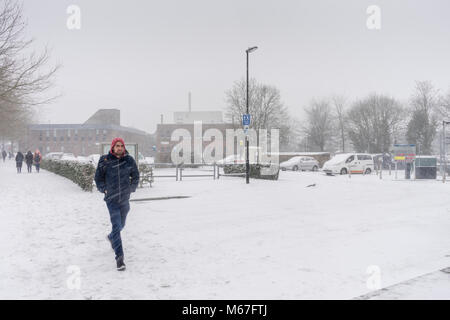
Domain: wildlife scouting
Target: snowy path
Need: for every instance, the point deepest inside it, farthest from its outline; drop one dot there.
(266, 240)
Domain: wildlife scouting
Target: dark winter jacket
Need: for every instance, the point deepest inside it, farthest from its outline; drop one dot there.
(117, 176)
(37, 158)
(4, 154)
(29, 158)
(19, 159)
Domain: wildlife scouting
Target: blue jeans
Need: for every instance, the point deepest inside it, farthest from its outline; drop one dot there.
(118, 214)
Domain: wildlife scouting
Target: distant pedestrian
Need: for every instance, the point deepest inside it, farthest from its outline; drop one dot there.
(37, 159)
(11, 155)
(19, 161)
(29, 161)
(4, 154)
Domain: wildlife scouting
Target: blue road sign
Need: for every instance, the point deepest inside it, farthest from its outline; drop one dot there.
(245, 119)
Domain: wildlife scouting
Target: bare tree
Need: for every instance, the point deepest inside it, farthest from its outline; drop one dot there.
(372, 123)
(319, 125)
(339, 103)
(265, 107)
(23, 77)
(443, 106)
(423, 124)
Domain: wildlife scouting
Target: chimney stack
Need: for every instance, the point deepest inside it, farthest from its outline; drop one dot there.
(189, 101)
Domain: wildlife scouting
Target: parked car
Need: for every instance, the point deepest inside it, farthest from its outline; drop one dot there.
(54, 155)
(300, 163)
(83, 159)
(349, 162)
(94, 158)
(233, 159)
(68, 157)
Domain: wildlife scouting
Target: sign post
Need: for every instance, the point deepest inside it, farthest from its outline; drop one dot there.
(246, 125)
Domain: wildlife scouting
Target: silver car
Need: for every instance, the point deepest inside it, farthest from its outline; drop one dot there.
(300, 163)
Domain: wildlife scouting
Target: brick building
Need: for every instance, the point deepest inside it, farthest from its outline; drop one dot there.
(84, 139)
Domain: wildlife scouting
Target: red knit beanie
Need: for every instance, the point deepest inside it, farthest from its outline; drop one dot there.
(113, 143)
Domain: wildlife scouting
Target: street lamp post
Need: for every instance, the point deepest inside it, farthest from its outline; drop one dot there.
(247, 162)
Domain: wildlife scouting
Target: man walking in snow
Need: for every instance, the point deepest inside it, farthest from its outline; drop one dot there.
(3, 155)
(117, 176)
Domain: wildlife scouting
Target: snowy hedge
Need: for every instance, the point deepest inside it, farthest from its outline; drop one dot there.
(79, 172)
(145, 174)
(257, 171)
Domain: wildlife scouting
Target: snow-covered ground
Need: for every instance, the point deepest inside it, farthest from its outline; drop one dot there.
(266, 240)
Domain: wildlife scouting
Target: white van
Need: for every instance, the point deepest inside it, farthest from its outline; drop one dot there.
(349, 162)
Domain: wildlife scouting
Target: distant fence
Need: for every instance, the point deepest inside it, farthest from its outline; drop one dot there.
(179, 170)
(213, 171)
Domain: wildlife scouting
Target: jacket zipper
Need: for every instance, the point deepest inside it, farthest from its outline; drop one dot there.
(118, 173)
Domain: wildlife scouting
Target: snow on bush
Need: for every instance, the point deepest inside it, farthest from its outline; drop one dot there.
(81, 173)
(256, 170)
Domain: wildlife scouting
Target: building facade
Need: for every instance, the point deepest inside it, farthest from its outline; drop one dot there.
(188, 117)
(84, 139)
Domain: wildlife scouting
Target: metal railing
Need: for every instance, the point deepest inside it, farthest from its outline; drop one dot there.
(181, 168)
(211, 169)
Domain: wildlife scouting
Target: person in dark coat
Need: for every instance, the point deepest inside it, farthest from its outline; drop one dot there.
(29, 161)
(117, 176)
(4, 154)
(37, 157)
(19, 161)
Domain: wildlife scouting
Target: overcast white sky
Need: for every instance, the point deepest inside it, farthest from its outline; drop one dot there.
(143, 57)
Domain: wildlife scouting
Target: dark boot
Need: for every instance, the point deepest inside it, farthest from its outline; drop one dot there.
(120, 264)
